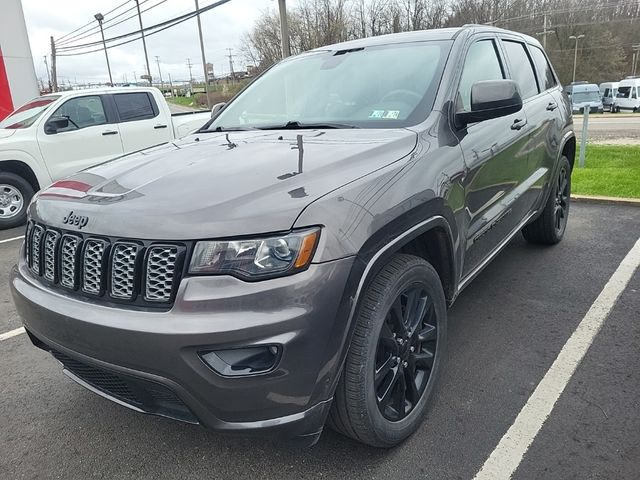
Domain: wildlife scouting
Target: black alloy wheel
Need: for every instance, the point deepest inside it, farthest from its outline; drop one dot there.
(405, 353)
(562, 201)
(396, 355)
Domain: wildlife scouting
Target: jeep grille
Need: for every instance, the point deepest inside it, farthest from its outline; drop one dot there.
(120, 270)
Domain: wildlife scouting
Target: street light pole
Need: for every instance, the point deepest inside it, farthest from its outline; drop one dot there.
(99, 17)
(284, 29)
(636, 49)
(575, 54)
(144, 43)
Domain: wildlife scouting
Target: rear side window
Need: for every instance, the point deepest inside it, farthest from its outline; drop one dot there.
(521, 68)
(482, 63)
(547, 79)
(134, 106)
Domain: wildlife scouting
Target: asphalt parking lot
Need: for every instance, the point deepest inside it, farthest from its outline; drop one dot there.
(505, 331)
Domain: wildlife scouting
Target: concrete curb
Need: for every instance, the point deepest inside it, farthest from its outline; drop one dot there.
(606, 200)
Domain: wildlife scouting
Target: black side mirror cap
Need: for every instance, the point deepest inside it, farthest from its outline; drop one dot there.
(56, 123)
(491, 99)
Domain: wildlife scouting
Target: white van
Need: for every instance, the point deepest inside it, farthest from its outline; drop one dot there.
(628, 97)
(608, 92)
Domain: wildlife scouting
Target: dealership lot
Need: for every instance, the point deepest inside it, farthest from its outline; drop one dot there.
(505, 331)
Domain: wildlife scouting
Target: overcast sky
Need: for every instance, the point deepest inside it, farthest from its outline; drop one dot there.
(223, 28)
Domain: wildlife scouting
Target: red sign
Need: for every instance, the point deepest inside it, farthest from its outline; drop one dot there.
(6, 104)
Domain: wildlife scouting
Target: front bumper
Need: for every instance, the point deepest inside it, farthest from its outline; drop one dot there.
(141, 349)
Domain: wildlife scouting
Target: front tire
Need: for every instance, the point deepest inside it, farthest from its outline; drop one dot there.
(395, 357)
(550, 226)
(15, 195)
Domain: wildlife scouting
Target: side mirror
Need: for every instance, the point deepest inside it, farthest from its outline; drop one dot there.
(56, 123)
(216, 108)
(491, 99)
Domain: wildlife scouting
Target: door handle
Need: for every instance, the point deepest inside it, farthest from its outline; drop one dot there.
(110, 132)
(552, 106)
(159, 126)
(518, 123)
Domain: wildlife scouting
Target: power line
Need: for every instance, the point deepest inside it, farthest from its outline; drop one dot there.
(90, 33)
(159, 27)
(566, 10)
(91, 23)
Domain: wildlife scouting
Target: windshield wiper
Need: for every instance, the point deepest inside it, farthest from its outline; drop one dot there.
(295, 125)
(228, 129)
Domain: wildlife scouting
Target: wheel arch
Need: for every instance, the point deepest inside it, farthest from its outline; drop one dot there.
(20, 168)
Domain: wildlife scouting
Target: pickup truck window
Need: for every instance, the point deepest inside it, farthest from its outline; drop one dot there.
(27, 114)
(82, 112)
(482, 63)
(384, 86)
(521, 68)
(134, 106)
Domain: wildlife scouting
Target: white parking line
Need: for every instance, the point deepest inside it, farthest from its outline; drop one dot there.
(11, 334)
(506, 457)
(6, 240)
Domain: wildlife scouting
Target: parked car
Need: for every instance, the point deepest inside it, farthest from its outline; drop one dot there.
(584, 95)
(56, 135)
(628, 97)
(291, 263)
(608, 92)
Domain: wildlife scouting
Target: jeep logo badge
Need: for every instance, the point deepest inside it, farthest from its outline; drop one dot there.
(76, 220)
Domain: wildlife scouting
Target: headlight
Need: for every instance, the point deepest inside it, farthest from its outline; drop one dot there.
(257, 257)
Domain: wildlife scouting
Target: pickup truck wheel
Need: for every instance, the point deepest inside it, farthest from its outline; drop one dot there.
(549, 227)
(395, 357)
(15, 195)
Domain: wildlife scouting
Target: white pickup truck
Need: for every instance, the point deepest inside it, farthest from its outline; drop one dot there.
(56, 135)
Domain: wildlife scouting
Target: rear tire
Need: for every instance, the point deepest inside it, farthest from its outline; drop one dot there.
(15, 195)
(399, 337)
(549, 227)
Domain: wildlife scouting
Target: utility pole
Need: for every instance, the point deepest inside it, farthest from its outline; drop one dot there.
(159, 72)
(284, 29)
(545, 32)
(171, 85)
(231, 63)
(575, 54)
(204, 60)
(99, 17)
(190, 65)
(48, 72)
(54, 75)
(144, 43)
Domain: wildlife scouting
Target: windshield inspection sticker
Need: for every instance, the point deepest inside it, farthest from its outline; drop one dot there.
(392, 114)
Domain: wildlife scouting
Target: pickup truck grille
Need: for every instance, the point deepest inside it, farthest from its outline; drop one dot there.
(117, 270)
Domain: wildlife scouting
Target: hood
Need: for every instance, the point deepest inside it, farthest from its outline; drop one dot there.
(6, 132)
(213, 185)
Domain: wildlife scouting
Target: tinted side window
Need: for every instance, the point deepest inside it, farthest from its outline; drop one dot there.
(482, 63)
(521, 68)
(547, 79)
(82, 112)
(134, 106)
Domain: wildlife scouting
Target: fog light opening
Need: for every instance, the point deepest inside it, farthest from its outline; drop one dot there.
(238, 362)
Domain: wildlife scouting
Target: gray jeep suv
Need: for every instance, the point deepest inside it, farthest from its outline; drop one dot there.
(291, 263)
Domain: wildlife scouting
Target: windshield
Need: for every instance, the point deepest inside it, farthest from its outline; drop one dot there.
(375, 87)
(624, 92)
(27, 114)
(579, 97)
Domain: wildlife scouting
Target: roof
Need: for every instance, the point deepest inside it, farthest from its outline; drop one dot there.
(101, 91)
(421, 36)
